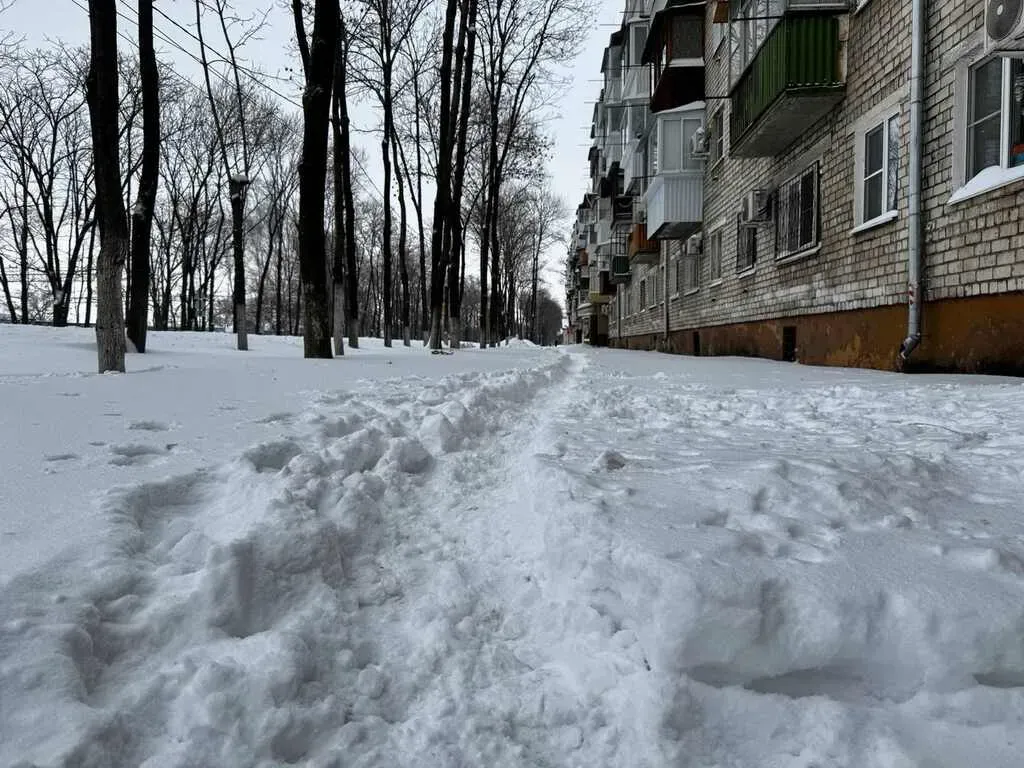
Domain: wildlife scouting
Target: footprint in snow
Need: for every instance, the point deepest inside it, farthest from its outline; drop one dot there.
(609, 460)
(54, 457)
(148, 426)
(284, 417)
(133, 454)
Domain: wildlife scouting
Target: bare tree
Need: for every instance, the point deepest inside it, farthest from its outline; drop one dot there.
(443, 196)
(142, 213)
(523, 40)
(238, 174)
(319, 69)
(345, 209)
(102, 90)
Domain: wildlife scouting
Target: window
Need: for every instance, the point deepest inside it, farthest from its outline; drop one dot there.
(797, 217)
(643, 295)
(691, 271)
(995, 119)
(676, 133)
(661, 286)
(713, 252)
(678, 284)
(746, 246)
(718, 33)
(717, 136)
(754, 19)
(638, 38)
(878, 169)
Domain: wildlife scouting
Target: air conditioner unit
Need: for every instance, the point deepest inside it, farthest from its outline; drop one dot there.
(754, 208)
(1004, 25)
(694, 244)
(700, 143)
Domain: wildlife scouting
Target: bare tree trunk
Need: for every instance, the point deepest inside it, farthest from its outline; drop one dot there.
(261, 286)
(403, 264)
(88, 276)
(386, 158)
(23, 255)
(352, 284)
(442, 199)
(316, 103)
(455, 213)
(236, 187)
(149, 178)
(278, 327)
(425, 306)
(102, 96)
(340, 225)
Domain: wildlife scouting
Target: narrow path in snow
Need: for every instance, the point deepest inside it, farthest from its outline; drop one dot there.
(591, 559)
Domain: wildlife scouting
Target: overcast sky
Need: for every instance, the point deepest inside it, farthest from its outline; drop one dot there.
(39, 21)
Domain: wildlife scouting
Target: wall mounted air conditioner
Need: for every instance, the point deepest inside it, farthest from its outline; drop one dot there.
(700, 143)
(754, 208)
(694, 244)
(1004, 25)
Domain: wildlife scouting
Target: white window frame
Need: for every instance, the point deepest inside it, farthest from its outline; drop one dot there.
(891, 106)
(994, 176)
(662, 288)
(687, 162)
(691, 274)
(743, 231)
(718, 147)
(677, 275)
(780, 251)
(860, 163)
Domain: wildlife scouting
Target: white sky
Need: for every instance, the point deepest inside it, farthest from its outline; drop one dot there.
(38, 21)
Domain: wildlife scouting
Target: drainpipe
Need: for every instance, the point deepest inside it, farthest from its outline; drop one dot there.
(664, 294)
(917, 32)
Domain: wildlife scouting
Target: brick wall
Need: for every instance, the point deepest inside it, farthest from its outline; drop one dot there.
(971, 248)
(974, 247)
(848, 271)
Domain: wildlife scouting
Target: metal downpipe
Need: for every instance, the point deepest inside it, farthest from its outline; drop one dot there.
(914, 256)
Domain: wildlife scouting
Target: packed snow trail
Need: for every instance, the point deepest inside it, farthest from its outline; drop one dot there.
(353, 594)
(583, 558)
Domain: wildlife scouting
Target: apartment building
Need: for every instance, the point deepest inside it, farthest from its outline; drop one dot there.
(860, 203)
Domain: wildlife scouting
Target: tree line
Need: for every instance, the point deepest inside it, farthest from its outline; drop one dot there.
(132, 196)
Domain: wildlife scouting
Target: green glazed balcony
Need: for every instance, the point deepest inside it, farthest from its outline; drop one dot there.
(795, 79)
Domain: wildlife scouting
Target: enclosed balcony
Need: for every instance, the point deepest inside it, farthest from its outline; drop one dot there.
(675, 196)
(620, 272)
(675, 51)
(795, 78)
(640, 248)
(675, 205)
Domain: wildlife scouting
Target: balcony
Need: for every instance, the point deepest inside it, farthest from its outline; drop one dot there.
(640, 248)
(794, 80)
(675, 49)
(637, 84)
(583, 257)
(675, 205)
(620, 272)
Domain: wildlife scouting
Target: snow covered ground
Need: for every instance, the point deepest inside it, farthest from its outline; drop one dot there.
(514, 557)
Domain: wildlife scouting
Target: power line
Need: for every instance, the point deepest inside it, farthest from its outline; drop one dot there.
(253, 76)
